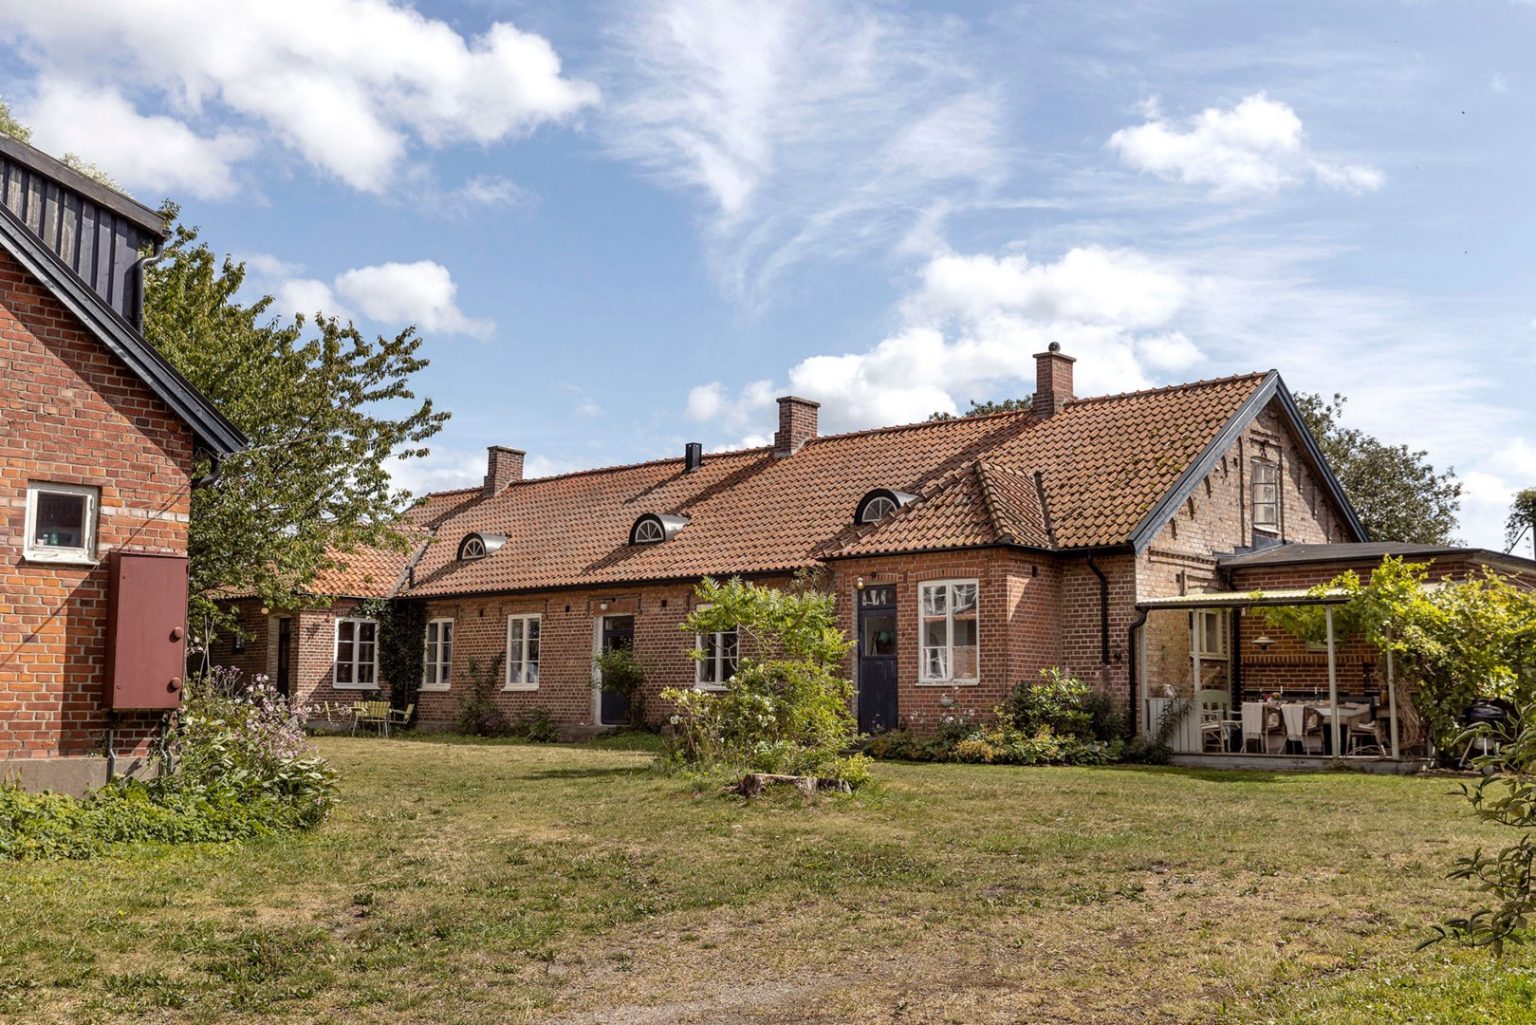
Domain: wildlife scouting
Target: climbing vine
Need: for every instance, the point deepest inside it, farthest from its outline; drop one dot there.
(402, 629)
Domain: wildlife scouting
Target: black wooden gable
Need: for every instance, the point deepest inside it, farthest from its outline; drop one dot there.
(97, 232)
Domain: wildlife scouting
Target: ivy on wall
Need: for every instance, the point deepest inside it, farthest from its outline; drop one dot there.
(402, 633)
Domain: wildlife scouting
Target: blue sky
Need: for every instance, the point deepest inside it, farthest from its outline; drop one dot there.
(624, 226)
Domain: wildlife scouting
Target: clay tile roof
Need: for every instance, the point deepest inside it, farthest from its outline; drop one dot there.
(1104, 462)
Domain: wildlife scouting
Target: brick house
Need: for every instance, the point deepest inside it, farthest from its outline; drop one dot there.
(969, 553)
(98, 443)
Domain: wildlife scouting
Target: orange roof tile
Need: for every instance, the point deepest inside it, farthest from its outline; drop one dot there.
(1104, 463)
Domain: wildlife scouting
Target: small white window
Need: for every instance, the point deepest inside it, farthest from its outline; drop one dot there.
(1266, 495)
(474, 548)
(1211, 632)
(61, 523)
(878, 509)
(522, 653)
(437, 664)
(649, 532)
(719, 662)
(947, 611)
(357, 654)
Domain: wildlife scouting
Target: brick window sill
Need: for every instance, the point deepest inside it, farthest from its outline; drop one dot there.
(949, 683)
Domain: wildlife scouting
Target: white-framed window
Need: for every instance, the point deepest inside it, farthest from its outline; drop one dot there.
(719, 662)
(61, 522)
(437, 661)
(522, 653)
(948, 618)
(1211, 633)
(1266, 495)
(649, 532)
(473, 548)
(878, 509)
(357, 654)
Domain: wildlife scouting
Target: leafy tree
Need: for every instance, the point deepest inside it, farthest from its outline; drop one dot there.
(788, 707)
(1504, 796)
(986, 409)
(324, 408)
(10, 126)
(1522, 518)
(1398, 495)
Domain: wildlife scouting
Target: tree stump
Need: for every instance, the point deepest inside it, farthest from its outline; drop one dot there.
(755, 784)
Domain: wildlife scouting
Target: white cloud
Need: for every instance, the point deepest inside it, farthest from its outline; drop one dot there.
(420, 293)
(348, 84)
(140, 152)
(1256, 146)
(970, 331)
(1489, 488)
(808, 127)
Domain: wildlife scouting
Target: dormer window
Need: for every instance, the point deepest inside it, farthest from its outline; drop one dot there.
(654, 528)
(477, 545)
(879, 504)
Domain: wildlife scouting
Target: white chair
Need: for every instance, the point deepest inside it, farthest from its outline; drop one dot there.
(1214, 707)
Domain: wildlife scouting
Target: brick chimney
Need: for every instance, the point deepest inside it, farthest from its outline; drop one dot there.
(1053, 381)
(503, 466)
(797, 424)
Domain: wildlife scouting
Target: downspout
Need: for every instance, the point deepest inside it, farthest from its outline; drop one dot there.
(1132, 661)
(1103, 611)
(159, 253)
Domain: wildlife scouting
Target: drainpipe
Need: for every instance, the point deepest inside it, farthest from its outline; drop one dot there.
(1132, 661)
(159, 253)
(1103, 611)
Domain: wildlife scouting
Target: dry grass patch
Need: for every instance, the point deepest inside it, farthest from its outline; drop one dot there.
(571, 884)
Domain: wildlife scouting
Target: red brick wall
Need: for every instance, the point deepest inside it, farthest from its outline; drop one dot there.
(70, 412)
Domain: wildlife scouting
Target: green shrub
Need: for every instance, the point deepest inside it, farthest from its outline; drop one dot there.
(536, 724)
(787, 708)
(620, 672)
(478, 714)
(235, 765)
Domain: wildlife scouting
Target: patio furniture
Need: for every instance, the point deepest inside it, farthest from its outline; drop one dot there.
(1215, 725)
(1347, 714)
(1365, 737)
(371, 713)
(401, 716)
(1262, 720)
(1302, 726)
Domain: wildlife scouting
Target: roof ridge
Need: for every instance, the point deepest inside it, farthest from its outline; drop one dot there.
(919, 425)
(1211, 382)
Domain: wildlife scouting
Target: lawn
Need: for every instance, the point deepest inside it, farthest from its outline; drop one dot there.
(507, 883)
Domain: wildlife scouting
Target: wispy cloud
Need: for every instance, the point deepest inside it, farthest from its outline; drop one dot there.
(805, 128)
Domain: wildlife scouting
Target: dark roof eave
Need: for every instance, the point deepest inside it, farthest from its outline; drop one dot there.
(123, 205)
(216, 433)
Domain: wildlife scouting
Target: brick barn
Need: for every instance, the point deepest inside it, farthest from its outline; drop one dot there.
(98, 443)
(967, 555)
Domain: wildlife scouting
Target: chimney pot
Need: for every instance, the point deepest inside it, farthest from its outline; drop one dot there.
(693, 456)
(1053, 381)
(503, 466)
(797, 424)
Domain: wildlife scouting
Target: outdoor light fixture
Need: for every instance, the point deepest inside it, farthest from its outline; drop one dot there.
(858, 584)
(602, 606)
(1263, 641)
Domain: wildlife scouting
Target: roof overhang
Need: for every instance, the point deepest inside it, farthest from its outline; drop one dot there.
(1247, 599)
(216, 434)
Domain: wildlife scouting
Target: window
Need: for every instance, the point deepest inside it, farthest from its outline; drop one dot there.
(877, 509)
(61, 523)
(357, 654)
(719, 662)
(1211, 633)
(1266, 495)
(474, 548)
(437, 664)
(522, 653)
(948, 614)
(648, 532)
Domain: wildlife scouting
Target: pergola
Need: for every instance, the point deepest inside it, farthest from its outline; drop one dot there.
(1326, 597)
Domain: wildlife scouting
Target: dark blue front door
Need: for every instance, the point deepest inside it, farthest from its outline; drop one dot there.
(877, 659)
(618, 632)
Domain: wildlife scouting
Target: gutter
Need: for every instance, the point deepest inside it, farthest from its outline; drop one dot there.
(1130, 641)
(1103, 610)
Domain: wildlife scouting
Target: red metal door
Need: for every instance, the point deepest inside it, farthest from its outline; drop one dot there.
(146, 630)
